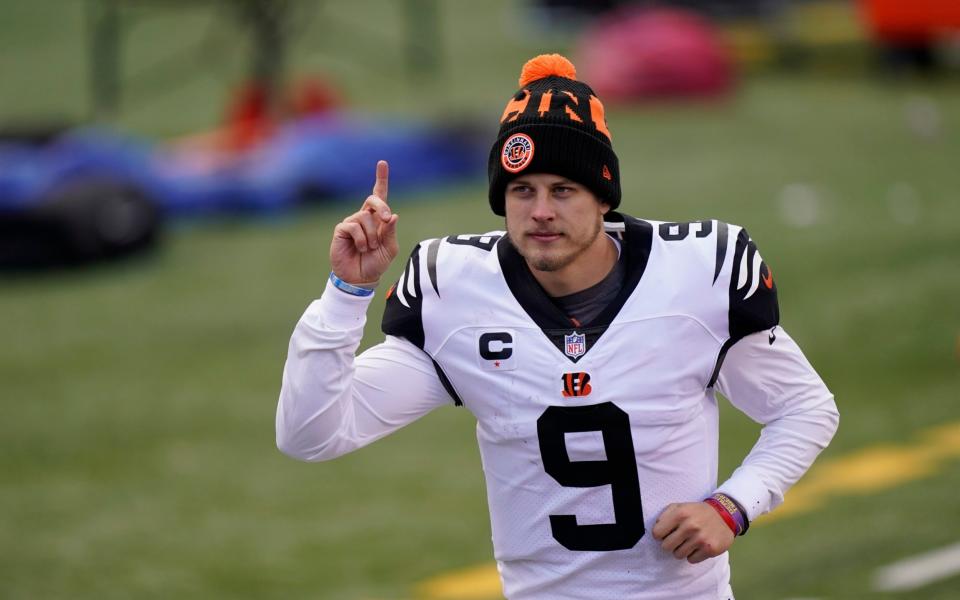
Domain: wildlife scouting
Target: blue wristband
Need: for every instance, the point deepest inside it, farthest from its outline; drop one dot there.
(346, 287)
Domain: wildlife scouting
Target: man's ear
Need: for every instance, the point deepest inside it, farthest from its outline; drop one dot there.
(604, 207)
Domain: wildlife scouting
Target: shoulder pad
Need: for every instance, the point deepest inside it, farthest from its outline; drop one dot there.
(753, 294)
(709, 237)
(402, 315)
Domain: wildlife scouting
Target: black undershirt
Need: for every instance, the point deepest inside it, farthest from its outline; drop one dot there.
(583, 307)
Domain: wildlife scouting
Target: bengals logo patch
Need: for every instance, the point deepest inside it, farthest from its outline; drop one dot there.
(576, 384)
(517, 152)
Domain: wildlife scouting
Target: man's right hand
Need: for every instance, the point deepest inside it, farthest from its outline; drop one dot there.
(365, 243)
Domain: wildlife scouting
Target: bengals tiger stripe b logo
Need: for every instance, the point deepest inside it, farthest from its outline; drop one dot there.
(576, 384)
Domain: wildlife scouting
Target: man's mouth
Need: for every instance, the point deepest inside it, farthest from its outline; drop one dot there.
(544, 236)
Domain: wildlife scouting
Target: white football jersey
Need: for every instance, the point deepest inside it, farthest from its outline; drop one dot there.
(587, 432)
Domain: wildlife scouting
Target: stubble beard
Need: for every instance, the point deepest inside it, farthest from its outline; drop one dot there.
(549, 262)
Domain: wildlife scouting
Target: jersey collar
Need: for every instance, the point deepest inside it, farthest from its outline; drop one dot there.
(636, 237)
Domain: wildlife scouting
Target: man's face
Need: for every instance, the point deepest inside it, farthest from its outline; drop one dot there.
(552, 221)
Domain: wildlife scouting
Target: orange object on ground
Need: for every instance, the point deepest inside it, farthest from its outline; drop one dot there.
(313, 96)
(910, 21)
(252, 116)
(249, 118)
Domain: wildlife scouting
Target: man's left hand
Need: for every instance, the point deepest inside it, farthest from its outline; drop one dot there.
(692, 530)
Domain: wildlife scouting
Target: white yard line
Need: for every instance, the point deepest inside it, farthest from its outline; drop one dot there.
(920, 570)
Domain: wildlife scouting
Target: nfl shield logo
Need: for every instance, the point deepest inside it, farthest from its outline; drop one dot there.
(575, 344)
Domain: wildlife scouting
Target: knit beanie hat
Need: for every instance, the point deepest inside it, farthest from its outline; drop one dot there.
(554, 124)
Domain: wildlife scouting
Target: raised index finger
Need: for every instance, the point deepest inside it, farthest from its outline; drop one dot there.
(380, 187)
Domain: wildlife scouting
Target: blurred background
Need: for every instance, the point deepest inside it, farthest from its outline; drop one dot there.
(170, 174)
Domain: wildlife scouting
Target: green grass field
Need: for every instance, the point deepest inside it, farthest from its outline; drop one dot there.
(138, 398)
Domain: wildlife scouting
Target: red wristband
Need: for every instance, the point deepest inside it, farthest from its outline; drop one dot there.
(724, 513)
(736, 511)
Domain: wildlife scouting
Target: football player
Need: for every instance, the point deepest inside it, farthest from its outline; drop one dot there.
(588, 343)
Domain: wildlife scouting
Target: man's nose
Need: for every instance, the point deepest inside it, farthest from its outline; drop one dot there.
(543, 207)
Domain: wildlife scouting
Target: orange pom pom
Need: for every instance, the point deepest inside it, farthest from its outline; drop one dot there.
(546, 65)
